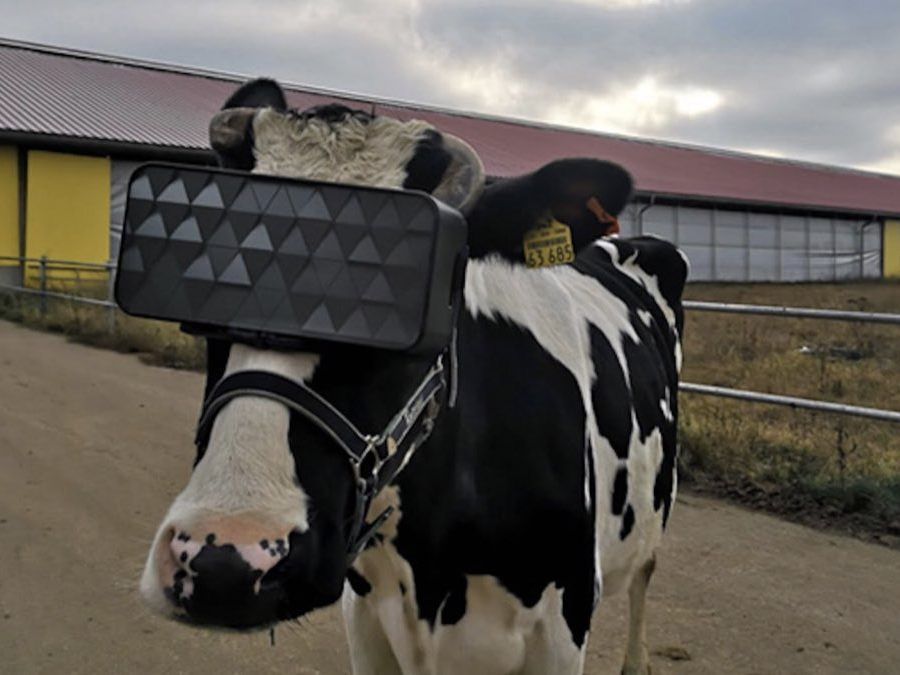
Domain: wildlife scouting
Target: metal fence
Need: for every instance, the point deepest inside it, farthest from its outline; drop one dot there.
(52, 278)
(792, 401)
(48, 271)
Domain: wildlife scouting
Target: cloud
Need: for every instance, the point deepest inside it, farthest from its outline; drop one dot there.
(805, 79)
(647, 108)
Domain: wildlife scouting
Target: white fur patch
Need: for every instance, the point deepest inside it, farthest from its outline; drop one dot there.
(496, 635)
(371, 153)
(248, 465)
(247, 468)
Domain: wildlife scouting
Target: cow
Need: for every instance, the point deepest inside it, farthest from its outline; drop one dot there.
(542, 476)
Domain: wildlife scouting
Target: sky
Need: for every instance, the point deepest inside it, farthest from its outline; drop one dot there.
(816, 80)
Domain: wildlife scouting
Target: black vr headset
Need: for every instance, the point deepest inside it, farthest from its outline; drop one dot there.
(285, 263)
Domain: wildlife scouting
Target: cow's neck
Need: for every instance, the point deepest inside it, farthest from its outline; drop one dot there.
(497, 437)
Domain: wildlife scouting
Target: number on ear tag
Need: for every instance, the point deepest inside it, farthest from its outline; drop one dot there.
(546, 246)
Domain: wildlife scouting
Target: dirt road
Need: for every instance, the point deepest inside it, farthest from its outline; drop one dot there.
(93, 446)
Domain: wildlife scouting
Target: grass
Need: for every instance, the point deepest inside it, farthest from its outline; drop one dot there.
(822, 469)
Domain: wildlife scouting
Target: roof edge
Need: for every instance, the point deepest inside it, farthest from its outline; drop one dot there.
(757, 205)
(102, 146)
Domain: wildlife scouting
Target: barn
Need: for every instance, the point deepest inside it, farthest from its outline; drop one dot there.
(73, 125)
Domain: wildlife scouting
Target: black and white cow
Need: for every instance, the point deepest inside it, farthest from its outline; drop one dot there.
(547, 485)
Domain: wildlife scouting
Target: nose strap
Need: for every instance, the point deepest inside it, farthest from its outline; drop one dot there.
(293, 394)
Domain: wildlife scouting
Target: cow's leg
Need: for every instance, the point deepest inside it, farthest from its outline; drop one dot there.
(370, 650)
(637, 660)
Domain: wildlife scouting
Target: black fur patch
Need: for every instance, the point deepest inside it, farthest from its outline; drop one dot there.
(454, 607)
(627, 523)
(610, 395)
(260, 93)
(428, 165)
(620, 491)
(358, 583)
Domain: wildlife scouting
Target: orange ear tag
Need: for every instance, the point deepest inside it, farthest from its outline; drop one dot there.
(611, 222)
(547, 246)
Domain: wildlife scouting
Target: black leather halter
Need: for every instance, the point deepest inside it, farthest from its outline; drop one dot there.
(375, 459)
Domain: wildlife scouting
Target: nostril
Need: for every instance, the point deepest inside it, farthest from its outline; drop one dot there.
(265, 554)
(184, 549)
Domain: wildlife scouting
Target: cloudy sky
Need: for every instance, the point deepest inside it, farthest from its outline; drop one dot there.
(808, 79)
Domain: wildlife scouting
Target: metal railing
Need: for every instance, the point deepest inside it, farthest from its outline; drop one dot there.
(46, 267)
(792, 401)
(793, 312)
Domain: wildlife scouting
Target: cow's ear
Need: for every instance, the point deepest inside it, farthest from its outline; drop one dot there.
(463, 180)
(585, 194)
(229, 130)
(260, 93)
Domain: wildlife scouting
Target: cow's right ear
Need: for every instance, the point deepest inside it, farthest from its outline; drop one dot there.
(230, 131)
(585, 195)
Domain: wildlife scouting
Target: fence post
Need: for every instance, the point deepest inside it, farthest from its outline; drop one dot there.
(43, 284)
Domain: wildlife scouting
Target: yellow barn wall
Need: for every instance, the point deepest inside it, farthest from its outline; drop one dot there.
(9, 204)
(891, 252)
(67, 215)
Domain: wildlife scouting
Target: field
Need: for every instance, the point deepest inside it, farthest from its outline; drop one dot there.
(823, 470)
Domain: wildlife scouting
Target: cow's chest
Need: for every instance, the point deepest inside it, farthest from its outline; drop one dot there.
(481, 627)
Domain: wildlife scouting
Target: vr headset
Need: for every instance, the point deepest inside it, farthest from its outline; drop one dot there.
(282, 263)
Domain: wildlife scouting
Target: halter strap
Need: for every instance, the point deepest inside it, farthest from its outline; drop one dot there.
(369, 455)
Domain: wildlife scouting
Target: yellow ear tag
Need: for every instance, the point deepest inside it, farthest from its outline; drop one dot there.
(550, 245)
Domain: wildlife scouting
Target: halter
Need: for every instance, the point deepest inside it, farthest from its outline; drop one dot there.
(376, 460)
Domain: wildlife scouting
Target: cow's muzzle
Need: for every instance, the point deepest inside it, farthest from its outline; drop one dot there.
(209, 575)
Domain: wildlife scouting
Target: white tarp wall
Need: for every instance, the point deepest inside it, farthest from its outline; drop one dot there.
(743, 245)
(119, 173)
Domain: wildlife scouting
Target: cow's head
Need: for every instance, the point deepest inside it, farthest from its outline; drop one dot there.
(261, 531)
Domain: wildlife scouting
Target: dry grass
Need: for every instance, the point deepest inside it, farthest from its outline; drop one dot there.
(157, 343)
(827, 467)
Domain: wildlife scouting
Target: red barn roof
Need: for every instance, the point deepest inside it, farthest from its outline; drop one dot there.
(64, 94)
